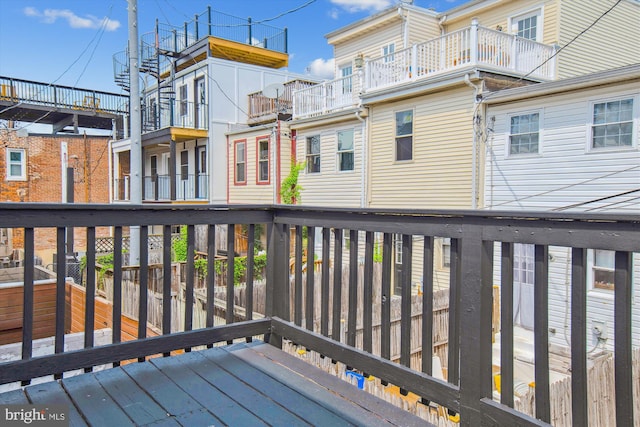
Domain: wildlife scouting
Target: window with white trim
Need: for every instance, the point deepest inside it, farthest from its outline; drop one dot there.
(16, 164)
(612, 125)
(603, 269)
(240, 162)
(446, 252)
(528, 25)
(404, 135)
(347, 82)
(184, 165)
(345, 150)
(263, 160)
(388, 52)
(313, 154)
(524, 134)
(183, 100)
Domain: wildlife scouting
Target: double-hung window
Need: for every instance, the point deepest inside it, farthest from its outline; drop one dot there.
(603, 269)
(240, 159)
(16, 164)
(346, 73)
(313, 154)
(612, 125)
(184, 165)
(263, 161)
(183, 100)
(524, 134)
(387, 52)
(345, 150)
(404, 135)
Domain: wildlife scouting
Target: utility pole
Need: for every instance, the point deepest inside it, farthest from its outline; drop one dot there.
(135, 196)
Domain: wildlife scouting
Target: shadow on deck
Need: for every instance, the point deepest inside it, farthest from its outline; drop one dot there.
(240, 384)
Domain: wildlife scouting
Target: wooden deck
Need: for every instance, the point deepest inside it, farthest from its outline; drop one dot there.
(237, 385)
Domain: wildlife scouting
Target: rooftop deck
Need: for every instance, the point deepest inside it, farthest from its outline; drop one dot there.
(365, 315)
(241, 384)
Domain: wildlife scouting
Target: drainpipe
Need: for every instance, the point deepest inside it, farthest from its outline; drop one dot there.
(441, 22)
(405, 27)
(363, 173)
(477, 100)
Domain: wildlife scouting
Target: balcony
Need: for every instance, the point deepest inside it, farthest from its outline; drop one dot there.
(346, 312)
(474, 46)
(188, 187)
(175, 114)
(263, 109)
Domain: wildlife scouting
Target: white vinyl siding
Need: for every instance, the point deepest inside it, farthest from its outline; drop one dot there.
(568, 173)
(568, 177)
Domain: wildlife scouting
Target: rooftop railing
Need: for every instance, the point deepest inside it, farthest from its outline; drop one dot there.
(322, 311)
(472, 46)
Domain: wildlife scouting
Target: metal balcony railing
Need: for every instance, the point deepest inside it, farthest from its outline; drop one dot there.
(321, 312)
(175, 113)
(188, 187)
(49, 95)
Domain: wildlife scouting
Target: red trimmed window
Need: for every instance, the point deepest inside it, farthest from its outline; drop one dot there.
(263, 156)
(240, 161)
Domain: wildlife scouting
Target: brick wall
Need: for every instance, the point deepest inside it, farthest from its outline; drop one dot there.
(89, 155)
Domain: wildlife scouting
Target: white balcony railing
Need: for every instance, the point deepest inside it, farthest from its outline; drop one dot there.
(325, 97)
(472, 46)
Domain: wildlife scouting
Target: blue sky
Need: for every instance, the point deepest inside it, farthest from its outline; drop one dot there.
(71, 42)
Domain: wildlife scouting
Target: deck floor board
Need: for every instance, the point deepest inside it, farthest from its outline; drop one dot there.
(238, 385)
(263, 406)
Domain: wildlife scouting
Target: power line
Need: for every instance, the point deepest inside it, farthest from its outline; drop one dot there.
(600, 199)
(564, 187)
(556, 52)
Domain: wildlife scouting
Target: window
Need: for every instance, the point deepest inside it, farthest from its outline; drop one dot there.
(387, 52)
(404, 135)
(241, 162)
(612, 125)
(345, 74)
(313, 154)
(183, 100)
(16, 165)
(603, 269)
(446, 252)
(184, 165)
(528, 26)
(154, 166)
(263, 161)
(345, 150)
(524, 135)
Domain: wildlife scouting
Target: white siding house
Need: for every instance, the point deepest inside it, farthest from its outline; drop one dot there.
(568, 146)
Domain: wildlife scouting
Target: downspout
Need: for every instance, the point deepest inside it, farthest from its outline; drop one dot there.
(405, 27)
(441, 22)
(363, 169)
(477, 100)
(278, 166)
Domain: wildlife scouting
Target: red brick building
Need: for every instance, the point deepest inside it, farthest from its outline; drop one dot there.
(32, 169)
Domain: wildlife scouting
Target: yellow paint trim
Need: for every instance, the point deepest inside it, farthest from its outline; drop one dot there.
(184, 134)
(234, 51)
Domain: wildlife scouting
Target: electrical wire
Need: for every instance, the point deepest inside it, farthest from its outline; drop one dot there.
(600, 199)
(560, 49)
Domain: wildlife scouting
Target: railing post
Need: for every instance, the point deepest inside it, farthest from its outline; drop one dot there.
(250, 30)
(473, 40)
(209, 18)
(277, 297)
(195, 22)
(475, 311)
(413, 72)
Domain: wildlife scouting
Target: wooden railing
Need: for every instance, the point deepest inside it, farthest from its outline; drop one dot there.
(261, 107)
(481, 257)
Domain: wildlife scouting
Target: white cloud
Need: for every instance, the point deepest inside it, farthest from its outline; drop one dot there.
(322, 68)
(49, 16)
(362, 5)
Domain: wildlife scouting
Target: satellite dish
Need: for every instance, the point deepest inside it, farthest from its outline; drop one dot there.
(273, 91)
